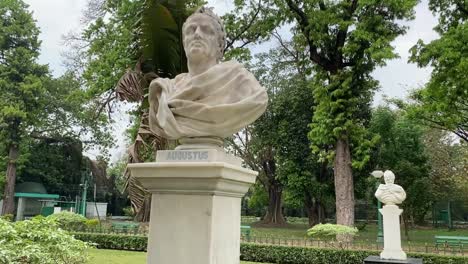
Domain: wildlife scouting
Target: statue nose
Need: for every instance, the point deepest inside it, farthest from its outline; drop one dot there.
(197, 32)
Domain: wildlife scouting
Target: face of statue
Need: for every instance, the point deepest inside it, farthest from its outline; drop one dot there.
(389, 177)
(200, 38)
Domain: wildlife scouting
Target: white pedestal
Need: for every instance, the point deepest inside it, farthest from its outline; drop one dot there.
(195, 206)
(392, 237)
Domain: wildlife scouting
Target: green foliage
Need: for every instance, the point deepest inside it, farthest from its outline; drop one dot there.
(331, 231)
(299, 255)
(442, 102)
(58, 164)
(401, 150)
(21, 81)
(448, 161)
(114, 241)
(7, 217)
(267, 253)
(68, 220)
(160, 38)
(39, 241)
(258, 200)
(128, 211)
(91, 223)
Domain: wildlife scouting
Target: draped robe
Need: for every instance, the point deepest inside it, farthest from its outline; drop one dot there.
(217, 102)
(390, 194)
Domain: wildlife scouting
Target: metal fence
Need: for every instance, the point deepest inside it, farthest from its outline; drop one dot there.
(112, 230)
(458, 250)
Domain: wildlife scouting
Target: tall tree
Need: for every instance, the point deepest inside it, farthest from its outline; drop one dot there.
(442, 103)
(401, 149)
(33, 105)
(345, 40)
(21, 85)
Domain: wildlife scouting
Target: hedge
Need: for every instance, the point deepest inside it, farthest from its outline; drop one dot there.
(300, 255)
(114, 241)
(268, 253)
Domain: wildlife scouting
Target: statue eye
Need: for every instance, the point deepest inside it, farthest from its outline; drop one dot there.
(208, 29)
(190, 29)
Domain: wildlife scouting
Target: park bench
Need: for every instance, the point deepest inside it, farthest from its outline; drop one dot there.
(451, 241)
(124, 227)
(245, 231)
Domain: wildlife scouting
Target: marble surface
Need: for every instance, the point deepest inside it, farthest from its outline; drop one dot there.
(214, 99)
(390, 193)
(195, 206)
(391, 231)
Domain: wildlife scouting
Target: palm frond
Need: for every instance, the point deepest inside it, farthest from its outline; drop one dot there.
(160, 38)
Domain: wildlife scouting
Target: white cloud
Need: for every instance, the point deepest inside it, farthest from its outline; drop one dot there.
(400, 76)
(55, 18)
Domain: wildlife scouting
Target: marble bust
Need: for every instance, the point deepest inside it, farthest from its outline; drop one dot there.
(214, 99)
(390, 193)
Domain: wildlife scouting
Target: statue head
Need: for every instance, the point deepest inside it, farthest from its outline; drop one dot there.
(389, 177)
(203, 35)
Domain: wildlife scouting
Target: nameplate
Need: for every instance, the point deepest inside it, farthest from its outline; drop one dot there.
(184, 155)
(196, 155)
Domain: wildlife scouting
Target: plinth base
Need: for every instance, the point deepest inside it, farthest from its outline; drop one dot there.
(195, 206)
(378, 260)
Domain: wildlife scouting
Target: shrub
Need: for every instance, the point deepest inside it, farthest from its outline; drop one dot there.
(299, 255)
(114, 241)
(331, 231)
(68, 220)
(7, 217)
(39, 241)
(128, 211)
(268, 253)
(91, 223)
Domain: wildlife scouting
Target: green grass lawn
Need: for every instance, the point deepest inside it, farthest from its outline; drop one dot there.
(105, 256)
(369, 234)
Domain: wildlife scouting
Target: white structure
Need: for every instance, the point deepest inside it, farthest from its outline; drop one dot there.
(391, 194)
(95, 210)
(213, 99)
(197, 188)
(195, 206)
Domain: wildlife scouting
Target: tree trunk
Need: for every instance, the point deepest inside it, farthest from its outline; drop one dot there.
(344, 189)
(274, 214)
(9, 195)
(315, 210)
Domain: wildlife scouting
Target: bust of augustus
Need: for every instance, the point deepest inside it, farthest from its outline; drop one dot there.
(214, 99)
(390, 193)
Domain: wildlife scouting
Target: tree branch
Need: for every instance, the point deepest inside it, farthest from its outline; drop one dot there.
(230, 43)
(342, 34)
(303, 22)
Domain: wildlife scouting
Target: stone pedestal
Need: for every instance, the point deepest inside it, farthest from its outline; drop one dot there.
(392, 236)
(195, 206)
(378, 260)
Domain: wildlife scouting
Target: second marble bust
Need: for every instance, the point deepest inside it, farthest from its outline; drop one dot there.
(213, 99)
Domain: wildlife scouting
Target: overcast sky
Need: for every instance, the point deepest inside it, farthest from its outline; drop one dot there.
(58, 17)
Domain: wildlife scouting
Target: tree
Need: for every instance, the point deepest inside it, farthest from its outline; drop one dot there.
(442, 103)
(345, 40)
(306, 180)
(448, 161)
(120, 55)
(21, 85)
(401, 149)
(33, 105)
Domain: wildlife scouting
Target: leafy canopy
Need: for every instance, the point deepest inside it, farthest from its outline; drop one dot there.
(442, 102)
